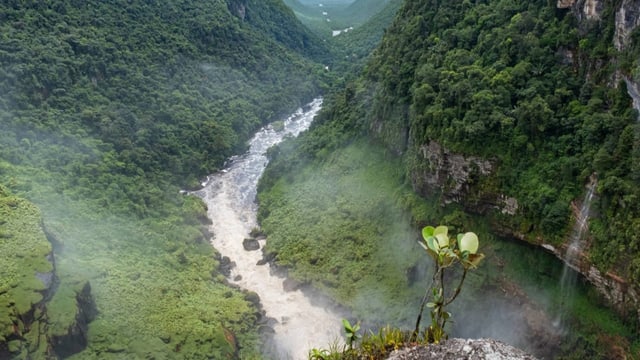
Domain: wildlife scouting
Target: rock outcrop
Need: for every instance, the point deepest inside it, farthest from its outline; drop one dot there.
(238, 8)
(456, 177)
(583, 9)
(75, 339)
(461, 349)
(627, 20)
(622, 295)
(619, 293)
(627, 16)
(27, 278)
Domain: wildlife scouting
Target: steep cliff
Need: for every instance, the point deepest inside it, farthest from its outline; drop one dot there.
(30, 305)
(507, 108)
(27, 277)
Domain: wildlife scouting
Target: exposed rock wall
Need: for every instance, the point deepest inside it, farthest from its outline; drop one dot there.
(622, 295)
(461, 349)
(456, 178)
(627, 16)
(27, 254)
(583, 9)
(75, 339)
(627, 20)
(238, 8)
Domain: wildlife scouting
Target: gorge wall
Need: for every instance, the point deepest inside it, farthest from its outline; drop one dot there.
(623, 294)
(508, 108)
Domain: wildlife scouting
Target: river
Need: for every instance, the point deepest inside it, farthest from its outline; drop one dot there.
(230, 197)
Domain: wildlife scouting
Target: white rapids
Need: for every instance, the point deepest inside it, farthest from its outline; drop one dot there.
(230, 197)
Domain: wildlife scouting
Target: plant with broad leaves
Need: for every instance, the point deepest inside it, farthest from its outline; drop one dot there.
(351, 331)
(446, 253)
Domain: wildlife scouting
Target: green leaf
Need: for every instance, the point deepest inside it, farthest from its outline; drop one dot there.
(441, 230)
(433, 244)
(443, 240)
(469, 242)
(347, 326)
(427, 232)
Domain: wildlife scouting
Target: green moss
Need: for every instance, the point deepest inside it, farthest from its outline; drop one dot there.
(62, 309)
(24, 249)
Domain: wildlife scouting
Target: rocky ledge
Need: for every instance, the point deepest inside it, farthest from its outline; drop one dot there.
(461, 349)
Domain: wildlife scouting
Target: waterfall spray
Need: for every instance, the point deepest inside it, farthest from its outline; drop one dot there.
(572, 255)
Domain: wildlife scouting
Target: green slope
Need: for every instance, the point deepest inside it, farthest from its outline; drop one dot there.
(360, 11)
(325, 17)
(355, 45)
(24, 263)
(106, 110)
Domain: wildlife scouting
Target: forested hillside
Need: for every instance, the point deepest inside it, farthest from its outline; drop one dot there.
(357, 44)
(324, 17)
(107, 109)
(527, 87)
(503, 109)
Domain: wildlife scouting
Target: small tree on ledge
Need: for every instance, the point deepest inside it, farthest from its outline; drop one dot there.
(446, 253)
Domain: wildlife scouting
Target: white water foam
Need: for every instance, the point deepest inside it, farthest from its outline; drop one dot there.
(230, 197)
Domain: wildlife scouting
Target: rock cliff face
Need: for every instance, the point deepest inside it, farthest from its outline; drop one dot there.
(627, 19)
(456, 178)
(28, 283)
(75, 339)
(238, 8)
(627, 16)
(584, 9)
(466, 180)
(621, 295)
(460, 349)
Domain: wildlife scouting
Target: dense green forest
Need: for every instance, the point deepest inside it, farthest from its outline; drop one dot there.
(107, 109)
(525, 85)
(520, 84)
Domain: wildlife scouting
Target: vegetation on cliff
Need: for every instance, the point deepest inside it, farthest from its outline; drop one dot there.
(26, 273)
(521, 84)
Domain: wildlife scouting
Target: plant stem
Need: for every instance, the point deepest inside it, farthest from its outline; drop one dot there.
(416, 331)
(458, 289)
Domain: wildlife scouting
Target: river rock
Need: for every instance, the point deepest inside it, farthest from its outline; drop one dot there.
(462, 349)
(289, 285)
(251, 244)
(266, 258)
(226, 265)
